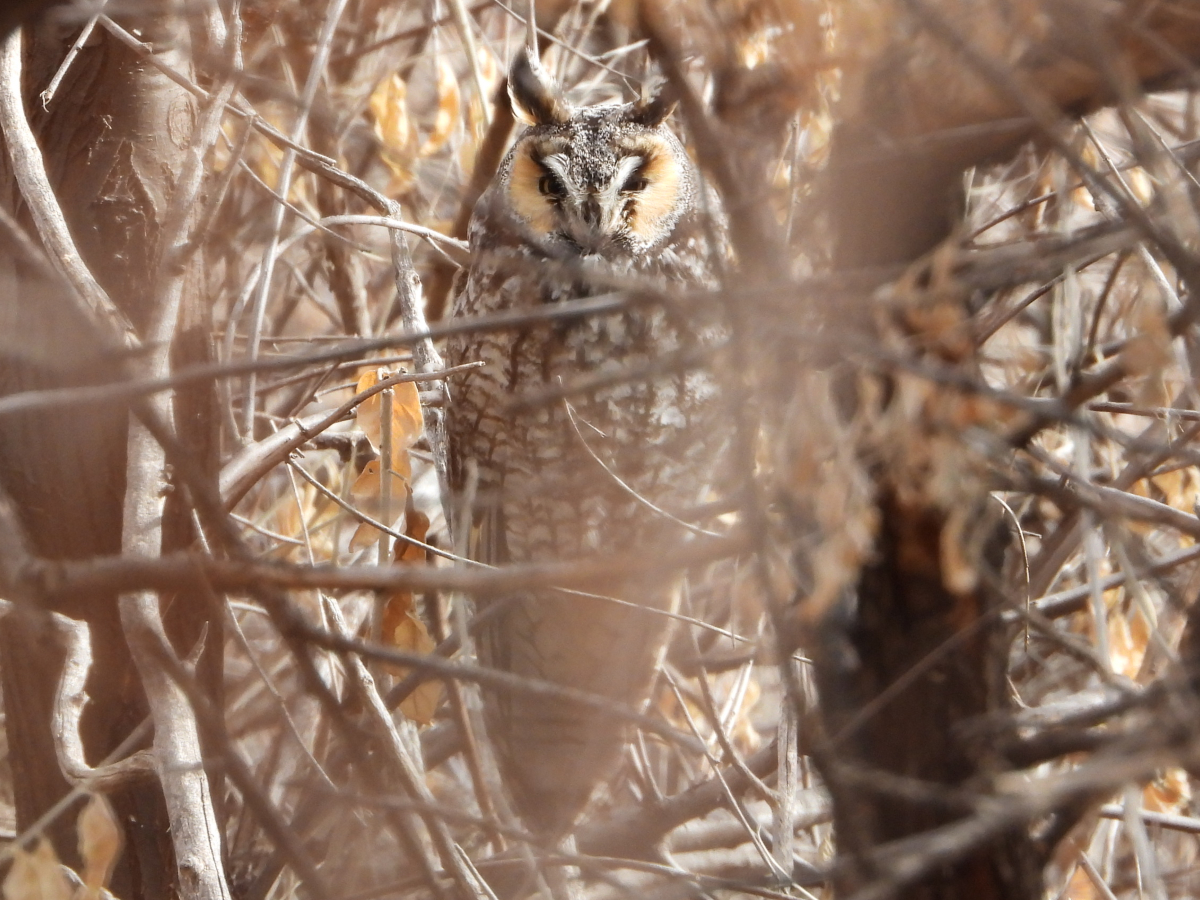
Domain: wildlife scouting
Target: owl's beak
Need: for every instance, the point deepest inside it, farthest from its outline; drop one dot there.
(591, 212)
(597, 221)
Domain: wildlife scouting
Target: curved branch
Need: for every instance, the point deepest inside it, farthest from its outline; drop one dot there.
(30, 172)
(69, 703)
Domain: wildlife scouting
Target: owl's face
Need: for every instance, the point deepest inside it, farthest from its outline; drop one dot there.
(604, 181)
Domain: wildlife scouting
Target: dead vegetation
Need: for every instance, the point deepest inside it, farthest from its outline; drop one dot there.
(943, 609)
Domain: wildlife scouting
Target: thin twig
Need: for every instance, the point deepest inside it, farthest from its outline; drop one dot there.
(402, 765)
(84, 33)
(253, 462)
(316, 72)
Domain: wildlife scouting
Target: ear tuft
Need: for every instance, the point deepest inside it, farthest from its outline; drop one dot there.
(654, 107)
(535, 98)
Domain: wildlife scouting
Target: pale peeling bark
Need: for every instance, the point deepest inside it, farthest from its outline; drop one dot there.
(196, 833)
(68, 712)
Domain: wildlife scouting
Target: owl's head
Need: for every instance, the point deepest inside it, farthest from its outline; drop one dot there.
(609, 181)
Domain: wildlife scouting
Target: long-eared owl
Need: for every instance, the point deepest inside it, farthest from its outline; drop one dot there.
(589, 435)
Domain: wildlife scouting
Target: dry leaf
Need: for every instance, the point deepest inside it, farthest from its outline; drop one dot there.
(1170, 792)
(266, 158)
(407, 420)
(394, 128)
(365, 494)
(1148, 353)
(221, 154)
(407, 424)
(409, 633)
(100, 842)
(365, 489)
(1081, 196)
(367, 416)
(1140, 185)
(1180, 490)
(1080, 887)
(418, 530)
(404, 630)
(389, 108)
(1127, 643)
(37, 875)
(447, 110)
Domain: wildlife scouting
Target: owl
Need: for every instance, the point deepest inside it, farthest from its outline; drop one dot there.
(582, 435)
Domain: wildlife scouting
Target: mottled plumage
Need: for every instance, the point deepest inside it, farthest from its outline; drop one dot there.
(588, 200)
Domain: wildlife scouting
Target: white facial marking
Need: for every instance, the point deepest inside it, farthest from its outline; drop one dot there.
(627, 167)
(559, 165)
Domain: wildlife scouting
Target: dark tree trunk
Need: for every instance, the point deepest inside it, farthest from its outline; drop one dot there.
(113, 140)
(886, 722)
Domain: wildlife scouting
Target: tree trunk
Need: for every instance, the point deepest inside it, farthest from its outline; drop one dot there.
(112, 139)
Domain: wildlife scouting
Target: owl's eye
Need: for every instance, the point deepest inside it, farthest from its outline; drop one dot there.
(635, 183)
(550, 186)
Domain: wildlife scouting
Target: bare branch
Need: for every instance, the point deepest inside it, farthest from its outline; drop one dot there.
(70, 701)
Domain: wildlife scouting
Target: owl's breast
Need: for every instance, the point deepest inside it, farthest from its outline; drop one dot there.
(569, 419)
